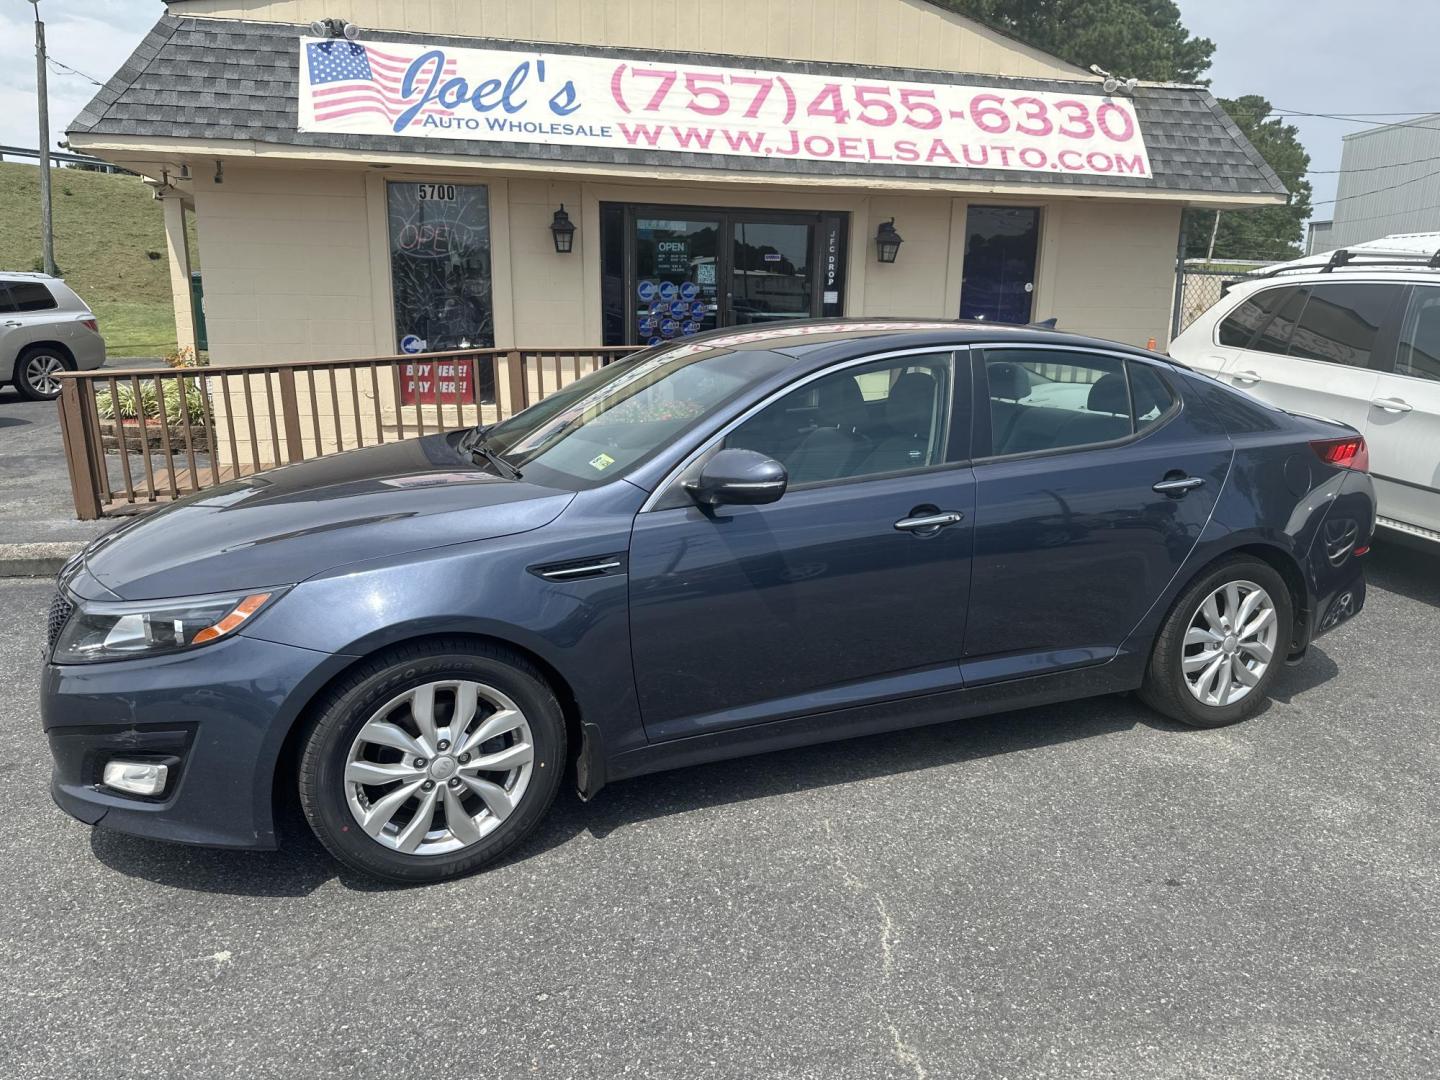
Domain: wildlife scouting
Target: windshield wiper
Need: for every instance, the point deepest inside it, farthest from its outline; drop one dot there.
(480, 450)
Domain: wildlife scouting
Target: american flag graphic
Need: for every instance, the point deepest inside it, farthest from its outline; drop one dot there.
(347, 77)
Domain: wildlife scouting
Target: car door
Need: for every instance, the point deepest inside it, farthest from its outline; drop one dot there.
(11, 332)
(1317, 353)
(852, 587)
(1403, 429)
(1093, 482)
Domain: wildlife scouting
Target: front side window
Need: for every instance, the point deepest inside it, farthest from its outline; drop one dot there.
(1044, 399)
(1238, 328)
(884, 417)
(1341, 321)
(1419, 355)
(30, 296)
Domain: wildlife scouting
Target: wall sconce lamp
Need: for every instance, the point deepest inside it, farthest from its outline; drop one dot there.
(887, 241)
(563, 230)
(219, 172)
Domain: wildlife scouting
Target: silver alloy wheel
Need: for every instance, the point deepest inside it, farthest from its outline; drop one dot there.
(40, 372)
(1229, 643)
(439, 767)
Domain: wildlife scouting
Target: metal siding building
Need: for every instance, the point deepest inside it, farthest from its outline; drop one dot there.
(1389, 183)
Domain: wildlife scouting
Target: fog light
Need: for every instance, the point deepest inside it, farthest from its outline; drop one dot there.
(136, 777)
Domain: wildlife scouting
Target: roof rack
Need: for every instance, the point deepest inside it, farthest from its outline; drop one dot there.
(1345, 257)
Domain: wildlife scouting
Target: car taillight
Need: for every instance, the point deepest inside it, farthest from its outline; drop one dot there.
(1350, 453)
(91, 324)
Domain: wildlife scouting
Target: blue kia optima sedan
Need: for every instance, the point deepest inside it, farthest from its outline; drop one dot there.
(737, 543)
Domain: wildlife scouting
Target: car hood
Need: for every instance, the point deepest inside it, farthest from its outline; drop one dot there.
(291, 523)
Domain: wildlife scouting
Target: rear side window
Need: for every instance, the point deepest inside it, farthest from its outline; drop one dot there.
(6, 304)
(1341, 322)
(30, 296)
(1275, 337)
(1150, 396)
(1057, 400)
(1419, 354)
(1238, 328)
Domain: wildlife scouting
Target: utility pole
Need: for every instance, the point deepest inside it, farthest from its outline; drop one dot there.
(47, 226)
(1210, 254)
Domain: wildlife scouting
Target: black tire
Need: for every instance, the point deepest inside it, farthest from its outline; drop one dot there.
(24, 377)
(347, 707)
(1165, 689)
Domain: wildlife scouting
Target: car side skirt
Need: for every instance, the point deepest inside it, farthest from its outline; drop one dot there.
(1123, 673)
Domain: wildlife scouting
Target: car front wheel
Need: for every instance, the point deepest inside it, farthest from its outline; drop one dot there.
(430, 761)
(1220, 648)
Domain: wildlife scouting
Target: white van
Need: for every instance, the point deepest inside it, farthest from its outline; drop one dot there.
(1351, 336)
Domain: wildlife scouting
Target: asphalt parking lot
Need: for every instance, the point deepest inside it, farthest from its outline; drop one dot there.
(1076, 891)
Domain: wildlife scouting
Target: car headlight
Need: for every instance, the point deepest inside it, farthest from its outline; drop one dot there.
(99, 631)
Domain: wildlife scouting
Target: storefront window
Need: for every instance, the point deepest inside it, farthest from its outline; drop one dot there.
(440, 266)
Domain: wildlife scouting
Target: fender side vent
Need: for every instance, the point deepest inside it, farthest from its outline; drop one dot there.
(579, 569)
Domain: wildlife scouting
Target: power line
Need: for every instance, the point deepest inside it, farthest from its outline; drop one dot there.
(1376, 191)
(67, 69)
(1370, 168)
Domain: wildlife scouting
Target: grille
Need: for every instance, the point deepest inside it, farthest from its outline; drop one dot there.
(60, 610)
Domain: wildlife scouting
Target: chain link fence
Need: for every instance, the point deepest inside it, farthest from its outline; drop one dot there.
(1203, 284)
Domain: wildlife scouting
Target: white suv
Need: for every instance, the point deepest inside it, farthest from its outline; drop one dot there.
(1351, 336)
(44, 329)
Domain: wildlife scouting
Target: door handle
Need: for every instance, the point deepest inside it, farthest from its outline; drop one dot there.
(930, 522)
(13, 323)
(1178, 486)
(1392, 404)
(1245, 377)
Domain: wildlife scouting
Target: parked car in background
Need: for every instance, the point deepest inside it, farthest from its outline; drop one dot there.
(741, 542)
(1352, 336)
(44, 329)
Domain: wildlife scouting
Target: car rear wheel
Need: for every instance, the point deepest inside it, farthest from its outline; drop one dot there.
(36, 370)
(430, 761)
(1221, 646)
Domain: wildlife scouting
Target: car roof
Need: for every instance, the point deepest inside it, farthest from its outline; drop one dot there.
(27, 275)
(822, 341)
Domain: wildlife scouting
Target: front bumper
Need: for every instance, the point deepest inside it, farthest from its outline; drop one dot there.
(218, 716)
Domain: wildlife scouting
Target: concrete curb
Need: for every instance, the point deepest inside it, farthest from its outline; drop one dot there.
(36, 560)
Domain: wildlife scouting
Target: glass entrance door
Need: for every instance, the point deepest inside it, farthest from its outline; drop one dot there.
(670, 272)
(676, 284)
(771, 271)
(999, 280)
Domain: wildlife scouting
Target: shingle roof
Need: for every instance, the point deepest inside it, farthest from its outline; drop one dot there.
(224, 79)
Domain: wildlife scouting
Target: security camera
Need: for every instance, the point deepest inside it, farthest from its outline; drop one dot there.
(334, 28)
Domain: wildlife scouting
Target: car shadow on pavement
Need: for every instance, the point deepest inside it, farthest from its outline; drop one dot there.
(302, 865)
(1404, 566)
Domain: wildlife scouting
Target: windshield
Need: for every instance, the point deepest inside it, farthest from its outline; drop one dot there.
(603, 425)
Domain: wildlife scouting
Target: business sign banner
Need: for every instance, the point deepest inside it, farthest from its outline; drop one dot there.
(491, 95)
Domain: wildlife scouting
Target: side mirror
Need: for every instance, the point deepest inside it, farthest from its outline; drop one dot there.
(740, 478)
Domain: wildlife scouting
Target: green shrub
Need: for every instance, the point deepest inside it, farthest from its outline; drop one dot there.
(175, 409)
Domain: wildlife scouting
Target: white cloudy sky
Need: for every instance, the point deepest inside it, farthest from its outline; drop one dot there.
(1318, 56)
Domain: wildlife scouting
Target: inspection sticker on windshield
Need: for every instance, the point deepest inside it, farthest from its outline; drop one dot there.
(601, 462)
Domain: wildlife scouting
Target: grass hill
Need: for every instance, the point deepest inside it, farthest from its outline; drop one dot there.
(109, 246)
